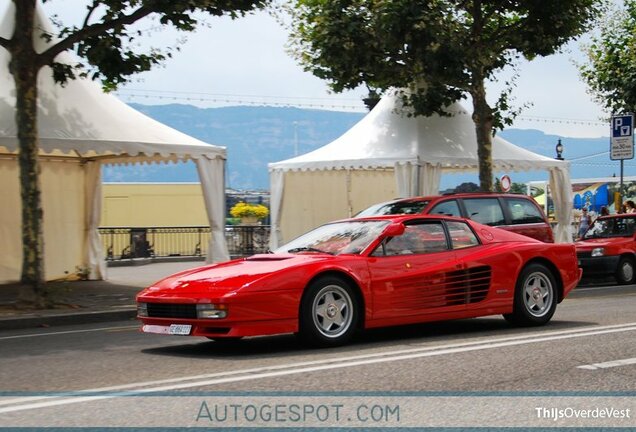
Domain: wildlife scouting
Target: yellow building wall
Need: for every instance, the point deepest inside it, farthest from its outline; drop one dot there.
(153, 205)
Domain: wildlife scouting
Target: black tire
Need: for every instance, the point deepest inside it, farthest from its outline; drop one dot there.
(536, 297)
(625, 271)
(329, 312)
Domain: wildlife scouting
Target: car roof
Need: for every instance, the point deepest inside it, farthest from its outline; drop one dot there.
(618, 216)
(456, 195)
(406, 217)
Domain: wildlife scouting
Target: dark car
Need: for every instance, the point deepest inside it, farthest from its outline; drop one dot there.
(517, 213)
(608, 247)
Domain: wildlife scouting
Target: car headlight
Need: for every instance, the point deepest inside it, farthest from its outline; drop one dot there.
(211, 311)
(142, 309)
(598, 252)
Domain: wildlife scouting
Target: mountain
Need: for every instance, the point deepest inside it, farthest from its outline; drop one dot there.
(255, 136)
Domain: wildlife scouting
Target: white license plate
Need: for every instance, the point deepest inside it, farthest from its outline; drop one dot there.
(180, 329)
(173, 329)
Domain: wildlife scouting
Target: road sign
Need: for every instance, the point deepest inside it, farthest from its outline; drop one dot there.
(506, 183)
(622, 141)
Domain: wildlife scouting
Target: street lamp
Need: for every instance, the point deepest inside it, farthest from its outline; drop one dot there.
(559, 150)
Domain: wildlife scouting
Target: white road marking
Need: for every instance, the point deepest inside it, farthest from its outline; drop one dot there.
(67, 332)
(26, 403)
(609, 364)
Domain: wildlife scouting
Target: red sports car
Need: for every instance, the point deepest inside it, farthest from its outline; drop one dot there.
(608, 247)
(363, 273)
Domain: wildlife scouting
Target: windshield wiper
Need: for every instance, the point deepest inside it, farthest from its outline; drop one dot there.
(308, 249)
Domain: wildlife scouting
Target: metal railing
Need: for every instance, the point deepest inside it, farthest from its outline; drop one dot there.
(122, 243)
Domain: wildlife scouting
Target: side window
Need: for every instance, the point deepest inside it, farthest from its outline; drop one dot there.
(623, 227)
(448, 208)
(485, 210)
(461, 235)
(523, 211)
(417, 239)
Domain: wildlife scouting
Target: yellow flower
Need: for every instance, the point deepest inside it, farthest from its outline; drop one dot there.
(242, 209)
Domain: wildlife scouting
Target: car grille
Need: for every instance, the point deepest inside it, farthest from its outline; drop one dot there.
(170, 310)
(444, 289)
(468, 286)
(587, 254)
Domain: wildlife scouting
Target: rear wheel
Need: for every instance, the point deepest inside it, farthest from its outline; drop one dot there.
(535, 297)
(625, 271)
(329, 312)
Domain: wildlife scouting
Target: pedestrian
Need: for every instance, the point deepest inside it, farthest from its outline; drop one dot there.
(630, 207)
(585, 222)
(604, 211)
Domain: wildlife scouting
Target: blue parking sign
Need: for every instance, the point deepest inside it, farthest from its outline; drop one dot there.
(622, 142)
(622, 126)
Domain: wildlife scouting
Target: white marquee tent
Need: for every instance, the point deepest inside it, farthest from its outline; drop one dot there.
(388, 155)
(80, 129)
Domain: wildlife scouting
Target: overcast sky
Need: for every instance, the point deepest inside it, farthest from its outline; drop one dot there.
(245, 61)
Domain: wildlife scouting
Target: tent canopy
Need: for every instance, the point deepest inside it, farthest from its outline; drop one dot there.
(417, 150)
(81, 125)
(385, 137)
(80, 120)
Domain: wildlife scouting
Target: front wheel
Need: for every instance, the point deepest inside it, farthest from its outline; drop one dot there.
(329, 312)
(535, 297)
(625, 271)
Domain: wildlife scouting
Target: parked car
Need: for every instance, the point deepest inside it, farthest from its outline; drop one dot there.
(366, 272)
(516, 213)
(608, 247)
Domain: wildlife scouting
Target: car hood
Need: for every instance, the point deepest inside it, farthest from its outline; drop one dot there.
(229, 276)
(592, 243)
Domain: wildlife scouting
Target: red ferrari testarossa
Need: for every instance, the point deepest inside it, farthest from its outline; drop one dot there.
(362, 273)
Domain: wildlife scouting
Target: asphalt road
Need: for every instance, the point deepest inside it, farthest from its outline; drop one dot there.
(477, 372)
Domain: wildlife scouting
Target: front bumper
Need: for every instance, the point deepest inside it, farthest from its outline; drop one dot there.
(252, 314)
(603, 265)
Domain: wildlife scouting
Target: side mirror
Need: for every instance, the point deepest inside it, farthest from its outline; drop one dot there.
(394, 230)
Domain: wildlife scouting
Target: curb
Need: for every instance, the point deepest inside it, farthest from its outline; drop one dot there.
(30, 321)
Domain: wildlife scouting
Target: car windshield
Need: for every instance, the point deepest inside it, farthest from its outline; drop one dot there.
(337, 238)
(395, 207)
(611, 227)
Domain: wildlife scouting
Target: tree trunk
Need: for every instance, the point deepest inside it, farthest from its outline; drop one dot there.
(483, 119)
(24, 68)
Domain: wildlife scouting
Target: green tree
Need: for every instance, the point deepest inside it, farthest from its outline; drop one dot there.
(466, 187)
(106, 42)
(440, 50)
(515, 188)
(610, 73)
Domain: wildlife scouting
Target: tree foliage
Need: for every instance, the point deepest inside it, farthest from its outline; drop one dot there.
(106, 41)
(515, 188)
(610, 73)
(436, 51)
(466, 187)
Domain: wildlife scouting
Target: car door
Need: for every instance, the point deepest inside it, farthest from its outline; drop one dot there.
(473, 277)
(411, 273)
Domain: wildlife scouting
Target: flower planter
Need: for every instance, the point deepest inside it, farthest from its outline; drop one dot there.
(249, 220)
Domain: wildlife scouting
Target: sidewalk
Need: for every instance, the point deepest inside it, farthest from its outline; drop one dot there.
(82, 302)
